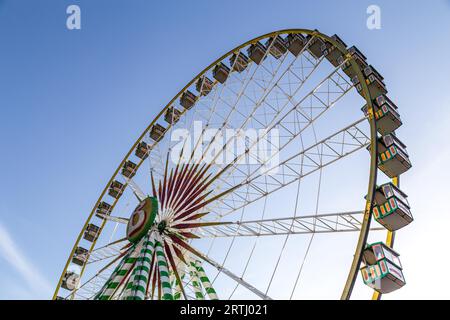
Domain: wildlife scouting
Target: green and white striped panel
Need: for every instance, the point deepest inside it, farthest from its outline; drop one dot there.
(177, 291)
(121, 271)
(142, 271)
(137, 284)
(176, 287)
(197, 287)
(163, 272)
(205, 281)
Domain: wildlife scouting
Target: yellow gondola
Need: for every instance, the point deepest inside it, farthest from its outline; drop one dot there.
(315, 46)
(221, 72)
(91, 232)
(358, 57)
(80, 256)
(116, 189)
(142, 150)
(172, 115)
(188, 99)
(256, 52)
(277, 46)
(103, 209)
(204, 85)
(157, 132)
(295, 43)
(239, 62)
(129, 169)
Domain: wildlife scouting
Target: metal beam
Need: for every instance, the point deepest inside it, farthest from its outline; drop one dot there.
(321, 223)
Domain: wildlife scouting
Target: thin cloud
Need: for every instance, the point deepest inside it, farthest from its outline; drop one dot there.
(13, 255)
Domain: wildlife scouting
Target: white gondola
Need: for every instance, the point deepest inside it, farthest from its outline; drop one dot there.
(80, 256)
(157, 132)
(204, 85)
(393, 159)
(315, 46)
(391, 208)
(386, 114)
(188, 99)
(221, 72)
(70, 280)
(91, 233)
(129, 169)
(382, 269)
(374, 82)
(295, 43)
(103, 209)
(256, 52)
(172, 115)
(142, 150)
(277, 46)
(358, 57)
(116, 189)
(239, 61)
(332, 53)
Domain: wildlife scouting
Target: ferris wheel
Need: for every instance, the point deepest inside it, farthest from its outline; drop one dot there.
(258, 180)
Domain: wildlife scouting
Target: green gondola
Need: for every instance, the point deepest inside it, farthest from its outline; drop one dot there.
(382, 270)
(393, 159)
(386, 114)
(391, 208)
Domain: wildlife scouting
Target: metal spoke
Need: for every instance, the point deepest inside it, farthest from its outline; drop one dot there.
(236, 278)
(306, 111)
(331, 149)
(108, 251)
(121, 220)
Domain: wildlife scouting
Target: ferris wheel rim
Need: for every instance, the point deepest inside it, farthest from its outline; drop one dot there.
(365, 228)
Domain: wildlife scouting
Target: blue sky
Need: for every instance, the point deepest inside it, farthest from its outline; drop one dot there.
(72, 102)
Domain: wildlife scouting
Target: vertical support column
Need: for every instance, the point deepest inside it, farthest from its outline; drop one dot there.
(195, 281)
(205, 281)
(137, 283)
(163, 271)
(142, 270)
(126, 293)
(176, 286)
(119, 273)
